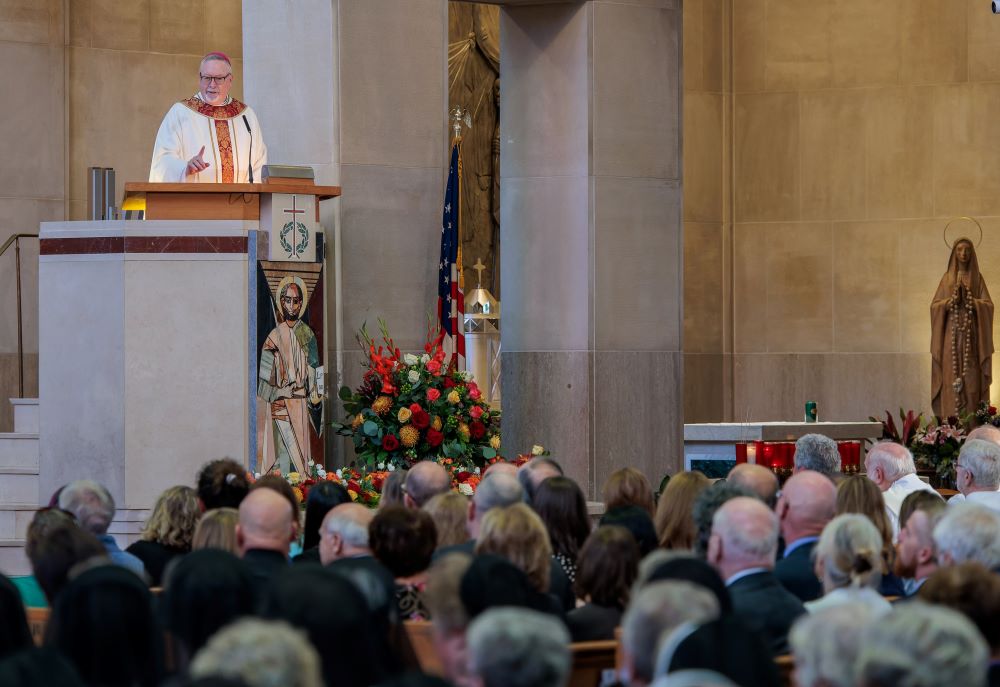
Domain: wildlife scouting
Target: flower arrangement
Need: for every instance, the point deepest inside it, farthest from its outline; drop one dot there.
(364, 488)
(410, 408)
(987, 415)
(936, 446)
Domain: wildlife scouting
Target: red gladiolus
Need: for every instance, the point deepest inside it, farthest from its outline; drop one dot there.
(390, 442)
(477, 429)
(434, 438)
(420, 419)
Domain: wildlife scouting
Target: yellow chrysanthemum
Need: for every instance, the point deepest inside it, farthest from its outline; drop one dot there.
(495, 442)
(404, 415)
(453, 397)
(463, 431)
(358, 420)
(382, 405)
(436, 423)
(294, 478)
(298, 494)
(409, 436)
(353, 494)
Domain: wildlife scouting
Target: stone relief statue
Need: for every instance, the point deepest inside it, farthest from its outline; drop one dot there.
(961, 335)
(474, 84)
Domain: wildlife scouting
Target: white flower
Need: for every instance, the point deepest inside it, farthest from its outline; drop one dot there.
(391, 468)
(321, 472)
(537, 450)
(410, 359)
(425, 358)
(413, 376)
(465, 488)
(256, 475)
(466, 375)
(311, 462)
(476, 471)
(381, 466)
(340, 474)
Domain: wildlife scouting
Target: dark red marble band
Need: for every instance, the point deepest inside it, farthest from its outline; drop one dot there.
(100, 245)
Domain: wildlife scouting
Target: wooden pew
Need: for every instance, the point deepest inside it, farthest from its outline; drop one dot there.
(590, 660)
(416, 647)
(786, 669)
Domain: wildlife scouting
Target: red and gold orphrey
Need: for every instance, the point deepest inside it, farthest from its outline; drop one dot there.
(221, 114)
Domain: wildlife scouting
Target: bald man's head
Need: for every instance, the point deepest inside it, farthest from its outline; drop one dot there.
(744, 535)
(887, 462)
(264, 522)
(758, 479)
(425, 480)
(808, 502)
(986, 433)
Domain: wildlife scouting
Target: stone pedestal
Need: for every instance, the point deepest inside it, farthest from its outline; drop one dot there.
(591, 235)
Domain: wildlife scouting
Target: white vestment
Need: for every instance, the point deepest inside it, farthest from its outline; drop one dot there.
(229, 151)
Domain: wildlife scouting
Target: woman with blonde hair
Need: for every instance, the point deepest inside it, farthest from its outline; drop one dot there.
(518, 534)
(674, 521)
(168, 532)
(849, 564)
(858, 494)
(449, 512)
(628, 487)
(217, 530)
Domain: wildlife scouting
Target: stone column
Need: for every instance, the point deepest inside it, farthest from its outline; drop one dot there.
(358, 90)
(591, 234)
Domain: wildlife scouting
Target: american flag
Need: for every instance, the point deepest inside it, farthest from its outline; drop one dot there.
(451, 300)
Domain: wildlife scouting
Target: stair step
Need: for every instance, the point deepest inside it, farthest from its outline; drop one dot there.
(13, 560)
(26, 414)
(18, 485)
(19, 450)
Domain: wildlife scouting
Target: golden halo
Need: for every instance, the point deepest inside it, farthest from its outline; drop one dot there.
(975, 221)
(290, 279)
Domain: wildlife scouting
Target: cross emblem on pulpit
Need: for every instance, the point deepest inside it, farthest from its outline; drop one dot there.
(479, 267)
(294, 247)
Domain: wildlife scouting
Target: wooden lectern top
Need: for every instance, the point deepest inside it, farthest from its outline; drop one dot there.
(213, 201)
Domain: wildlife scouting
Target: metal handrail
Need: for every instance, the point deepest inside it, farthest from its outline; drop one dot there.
(15, 239)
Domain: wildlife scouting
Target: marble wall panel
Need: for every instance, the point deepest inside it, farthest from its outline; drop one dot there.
(866, 287)
(33, 136)
(923, 260)
(705, 393)
(393, 61)
(547, 228)
(767, 157)
(797, 40)
(547, 400)
(749, 45)
(966, 150)
(799, 287)
(182, 409)
(705, 48)
(177, 26)
(546, 109)
(984, 32)
(32, 21)
(647, 389)
(832, 144)
(391, 219)
(638, 269)
(100, 131)
(900, 152)
(629, 139)
(750, 276)
(117, 25)
(704, 281)
(224, 27)
(934, 41)
(865, 42)
(703, 156)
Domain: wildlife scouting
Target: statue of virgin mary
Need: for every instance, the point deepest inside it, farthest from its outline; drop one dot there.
(961, 336)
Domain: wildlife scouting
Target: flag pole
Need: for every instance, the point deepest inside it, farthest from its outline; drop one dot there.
(457, 116)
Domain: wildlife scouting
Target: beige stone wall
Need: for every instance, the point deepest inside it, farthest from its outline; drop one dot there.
(860, 129)
(87, 83)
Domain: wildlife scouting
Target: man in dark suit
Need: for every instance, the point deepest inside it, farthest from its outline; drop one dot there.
(807, 503)
(264, 533)
(742, 547)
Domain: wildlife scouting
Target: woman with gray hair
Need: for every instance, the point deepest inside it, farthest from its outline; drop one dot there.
(849, 564)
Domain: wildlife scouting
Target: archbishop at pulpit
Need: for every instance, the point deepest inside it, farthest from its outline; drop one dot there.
(210, 137)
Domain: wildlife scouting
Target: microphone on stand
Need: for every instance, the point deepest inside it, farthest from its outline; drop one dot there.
(249, 163)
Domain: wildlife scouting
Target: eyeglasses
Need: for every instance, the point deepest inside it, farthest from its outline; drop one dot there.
(214, 79)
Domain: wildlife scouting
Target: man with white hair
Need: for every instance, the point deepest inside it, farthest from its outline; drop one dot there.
(977, 473)
(94, 510)
(518, 647)
(209, 137)
(968, 532)
(826, 643)
(742, 548)
(987, 432)
(817, 453)
(890, 466)
(919, 645)
(497, 490)
(657, 610)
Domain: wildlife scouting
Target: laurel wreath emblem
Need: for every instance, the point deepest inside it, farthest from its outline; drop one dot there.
(303, 234)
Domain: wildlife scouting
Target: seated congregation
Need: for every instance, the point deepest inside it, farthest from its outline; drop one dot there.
(868, 580)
